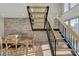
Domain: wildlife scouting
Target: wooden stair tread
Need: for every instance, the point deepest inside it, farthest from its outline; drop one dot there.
(59, 40)
(37, 22)
(36, 27)
(58, 35)
(63, 53)
(38, 6)
(62, 43)
(59, 46)
(37, 17)
(63, 49)
(37, 12)
(55, 28)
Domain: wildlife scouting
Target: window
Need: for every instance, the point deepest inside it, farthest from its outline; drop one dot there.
(73, 4)
(74, 25)
(66, 7)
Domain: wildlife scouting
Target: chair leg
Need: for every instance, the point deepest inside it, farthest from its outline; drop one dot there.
(6, 49)
(26, 52)
(1, 48)
(16, 49)
(34, 51)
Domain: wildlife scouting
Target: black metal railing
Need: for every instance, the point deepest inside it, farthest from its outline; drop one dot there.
(29, 14)
(46, 16)
(51, 39)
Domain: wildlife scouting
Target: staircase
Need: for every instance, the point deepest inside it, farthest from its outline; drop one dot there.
(38, 16)
(62, 48)
(58, 45)
(63, 41)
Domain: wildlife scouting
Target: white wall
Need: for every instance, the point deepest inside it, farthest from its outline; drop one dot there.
(20, 9)
(17, 9)
(74, 12)
(13, 10)
(55, 10)
(1, 26)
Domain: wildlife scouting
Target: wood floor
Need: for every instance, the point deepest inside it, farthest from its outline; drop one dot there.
(41, 42)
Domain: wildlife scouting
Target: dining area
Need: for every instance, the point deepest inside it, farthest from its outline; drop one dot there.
(17, 45)
(19, 40)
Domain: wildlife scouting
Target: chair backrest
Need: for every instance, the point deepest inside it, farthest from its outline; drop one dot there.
(26, 36)
(11, 38)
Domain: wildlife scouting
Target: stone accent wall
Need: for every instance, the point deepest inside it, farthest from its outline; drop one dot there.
(16, 25)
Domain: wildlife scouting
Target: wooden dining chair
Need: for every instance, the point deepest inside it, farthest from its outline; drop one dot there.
(11, 40)
(2, 47)
(27, 41)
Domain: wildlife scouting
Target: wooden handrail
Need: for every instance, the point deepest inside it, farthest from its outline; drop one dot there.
(67, 27)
